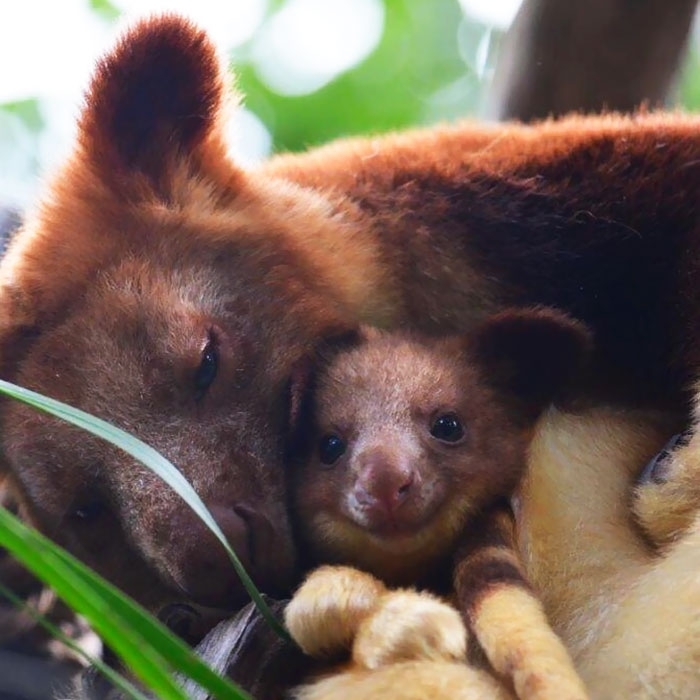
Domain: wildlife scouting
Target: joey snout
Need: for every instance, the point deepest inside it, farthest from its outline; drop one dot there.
(385, 487)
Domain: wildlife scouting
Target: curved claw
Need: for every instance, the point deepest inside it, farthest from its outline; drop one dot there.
(656, 469)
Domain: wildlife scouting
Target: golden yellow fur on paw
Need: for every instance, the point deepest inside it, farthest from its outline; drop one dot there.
(518, 641)
(409, 680)
(408, 626)
(405, 645)
(326, 611)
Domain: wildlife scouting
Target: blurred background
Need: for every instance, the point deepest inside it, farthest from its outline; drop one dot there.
(311, 70)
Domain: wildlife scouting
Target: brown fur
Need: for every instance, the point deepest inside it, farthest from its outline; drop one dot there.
(401, 502)
(149, 243)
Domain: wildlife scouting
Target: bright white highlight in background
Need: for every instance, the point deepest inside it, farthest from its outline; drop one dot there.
(47, 48)
(228, 22)
(248, 138)
(309, 42)
(493, 13)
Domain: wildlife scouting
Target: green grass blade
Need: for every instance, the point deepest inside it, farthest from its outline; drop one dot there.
(154, 461)
(128, 688)
(145, 644)
(39, 555)
(176, 652)
(151, 651)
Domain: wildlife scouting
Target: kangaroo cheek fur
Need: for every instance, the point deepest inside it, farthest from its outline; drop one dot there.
(149, 241)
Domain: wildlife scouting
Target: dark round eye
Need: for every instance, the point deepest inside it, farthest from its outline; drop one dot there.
(89, 511)
(208, 367)
(447, 427)
(330, 449)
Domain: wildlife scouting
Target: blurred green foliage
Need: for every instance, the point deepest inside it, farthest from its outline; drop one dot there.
(104, 9)
(396, 86)
(689, 93)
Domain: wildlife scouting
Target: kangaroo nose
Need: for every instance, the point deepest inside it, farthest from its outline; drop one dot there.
(200, 566)
(384, 482)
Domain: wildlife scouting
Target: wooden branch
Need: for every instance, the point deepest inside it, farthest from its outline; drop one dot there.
(588, 55)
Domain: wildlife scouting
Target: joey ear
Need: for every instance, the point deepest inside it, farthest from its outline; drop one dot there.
(532, 355)
(341, 339)
(155, 98)
(302, 379)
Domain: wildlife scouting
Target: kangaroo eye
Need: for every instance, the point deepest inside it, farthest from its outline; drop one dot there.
(89, 511)
(447, 428)
(208, 367)
(330, 449)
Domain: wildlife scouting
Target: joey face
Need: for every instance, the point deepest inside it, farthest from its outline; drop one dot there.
(408, 442)
(391, 488)
(412, 436)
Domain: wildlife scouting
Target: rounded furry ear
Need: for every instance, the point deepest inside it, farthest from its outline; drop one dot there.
(532, 355)
(341, 339)
(156, 97)
(302, 379)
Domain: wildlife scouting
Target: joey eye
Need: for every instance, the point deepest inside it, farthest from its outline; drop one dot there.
(330, 449)
(208, 367)
(447, 428)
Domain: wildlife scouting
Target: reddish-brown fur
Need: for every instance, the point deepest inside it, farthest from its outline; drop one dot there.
(397, 499)
(149, 241)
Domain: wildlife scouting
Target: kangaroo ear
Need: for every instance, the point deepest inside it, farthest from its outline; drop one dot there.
(155, 101)
(532, 355)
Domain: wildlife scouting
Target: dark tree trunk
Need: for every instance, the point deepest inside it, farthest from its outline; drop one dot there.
(588, 55)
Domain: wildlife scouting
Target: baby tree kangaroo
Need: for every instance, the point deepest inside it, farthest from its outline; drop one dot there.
(413, 448)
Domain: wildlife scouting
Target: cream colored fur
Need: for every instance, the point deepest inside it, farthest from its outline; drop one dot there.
(630, 617)
(402, 644)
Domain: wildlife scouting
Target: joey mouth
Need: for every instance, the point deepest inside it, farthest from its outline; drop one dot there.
(399, 528)
(394, 532)
(409, 506)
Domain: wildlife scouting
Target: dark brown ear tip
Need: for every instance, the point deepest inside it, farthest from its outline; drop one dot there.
(160, 37)
(533, 354)
(575, 337)
(156, 47)
(163, 70)
(545, 322)
(338, 340)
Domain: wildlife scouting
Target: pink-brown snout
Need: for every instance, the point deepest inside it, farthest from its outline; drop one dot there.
(385, 483)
